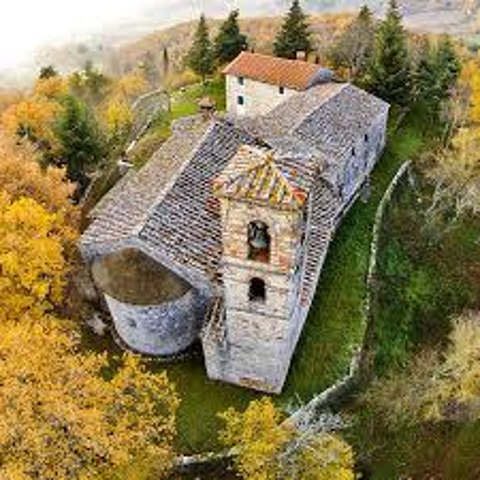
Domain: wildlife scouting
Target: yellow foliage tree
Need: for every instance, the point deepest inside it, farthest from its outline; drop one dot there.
(33, 118)
(267, 448)
(22, 176)
(32, 259)
(470, 81)
(52, 87)
(131, 85)
(117, 116)
(62, 419)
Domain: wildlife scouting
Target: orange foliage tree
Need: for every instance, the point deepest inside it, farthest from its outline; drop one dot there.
(61, 418)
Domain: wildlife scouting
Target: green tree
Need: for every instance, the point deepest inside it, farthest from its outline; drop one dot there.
(353, 49)
(47, 72)
(229, 41)
(449, 64)
(390, 70)
(436, 73)
(200, 57)
(294, 35)
(81, 141)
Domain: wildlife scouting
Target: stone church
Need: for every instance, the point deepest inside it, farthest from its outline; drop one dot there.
(221, 236)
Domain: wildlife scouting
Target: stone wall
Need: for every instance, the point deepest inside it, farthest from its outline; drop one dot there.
(259, 98)
(164, 330)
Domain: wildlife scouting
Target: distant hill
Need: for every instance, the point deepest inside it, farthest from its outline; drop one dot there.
(166, 24)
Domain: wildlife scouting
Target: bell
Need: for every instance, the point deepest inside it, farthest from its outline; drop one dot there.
(259, 239)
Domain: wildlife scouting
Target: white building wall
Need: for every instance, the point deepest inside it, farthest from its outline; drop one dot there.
(259, 98)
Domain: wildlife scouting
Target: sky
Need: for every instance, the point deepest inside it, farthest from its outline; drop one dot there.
(27, 24)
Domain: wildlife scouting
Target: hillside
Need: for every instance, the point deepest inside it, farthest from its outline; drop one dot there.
(169, 24)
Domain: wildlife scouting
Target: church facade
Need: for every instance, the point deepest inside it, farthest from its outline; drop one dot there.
(221, 237)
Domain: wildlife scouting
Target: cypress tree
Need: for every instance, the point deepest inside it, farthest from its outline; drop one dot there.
(200, 57)
(80, 138)
(294, 35)
(389, 73)
(165, 63)
(229, 41)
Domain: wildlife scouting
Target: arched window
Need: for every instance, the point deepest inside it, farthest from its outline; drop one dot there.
(257, 291)
(258, 242)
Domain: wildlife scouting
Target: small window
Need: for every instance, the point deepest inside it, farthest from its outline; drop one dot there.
(241, 100)
(257, 291)
(281, 90)
(241, 80)
(353, 152)
(367, 138)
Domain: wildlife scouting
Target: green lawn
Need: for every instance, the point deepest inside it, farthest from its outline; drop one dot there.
(184, 103)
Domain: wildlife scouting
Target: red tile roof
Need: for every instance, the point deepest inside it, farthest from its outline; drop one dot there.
(294, 74)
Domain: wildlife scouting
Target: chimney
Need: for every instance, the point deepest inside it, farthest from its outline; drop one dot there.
(207, 108)
(302, 56)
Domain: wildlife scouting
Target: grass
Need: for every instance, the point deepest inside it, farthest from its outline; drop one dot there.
(184, 103)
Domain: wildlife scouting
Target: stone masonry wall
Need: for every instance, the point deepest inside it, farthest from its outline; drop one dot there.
(163, 330)
(259, 98)
(257, 334)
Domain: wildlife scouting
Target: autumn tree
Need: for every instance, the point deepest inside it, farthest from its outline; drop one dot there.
(435, 386)
(131, 85)
(81, 141)
(294, 35)
(353, 49)
(21, 175)
(32, 258)
(62, 417)
(470, 80)
(229, 41)
(268, 448)
(118, 119)
(455, 174)
(33, 119)
(200, 57)
(390, 68)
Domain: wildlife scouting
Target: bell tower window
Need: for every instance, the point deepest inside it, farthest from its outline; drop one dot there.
(257, 291)
(258, 242)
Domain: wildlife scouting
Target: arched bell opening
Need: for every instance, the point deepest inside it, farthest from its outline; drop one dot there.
(257, 291)
(259, 242)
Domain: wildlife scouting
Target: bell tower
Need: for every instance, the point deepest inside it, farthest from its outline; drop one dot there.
(262, 223)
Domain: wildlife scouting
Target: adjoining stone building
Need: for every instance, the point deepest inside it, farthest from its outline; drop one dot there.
(237, 213)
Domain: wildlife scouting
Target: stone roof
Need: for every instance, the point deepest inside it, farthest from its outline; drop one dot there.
(255, 175)
(327, 118)
(294, 74)
(125, 206)
(185, 224)
(170, 207)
